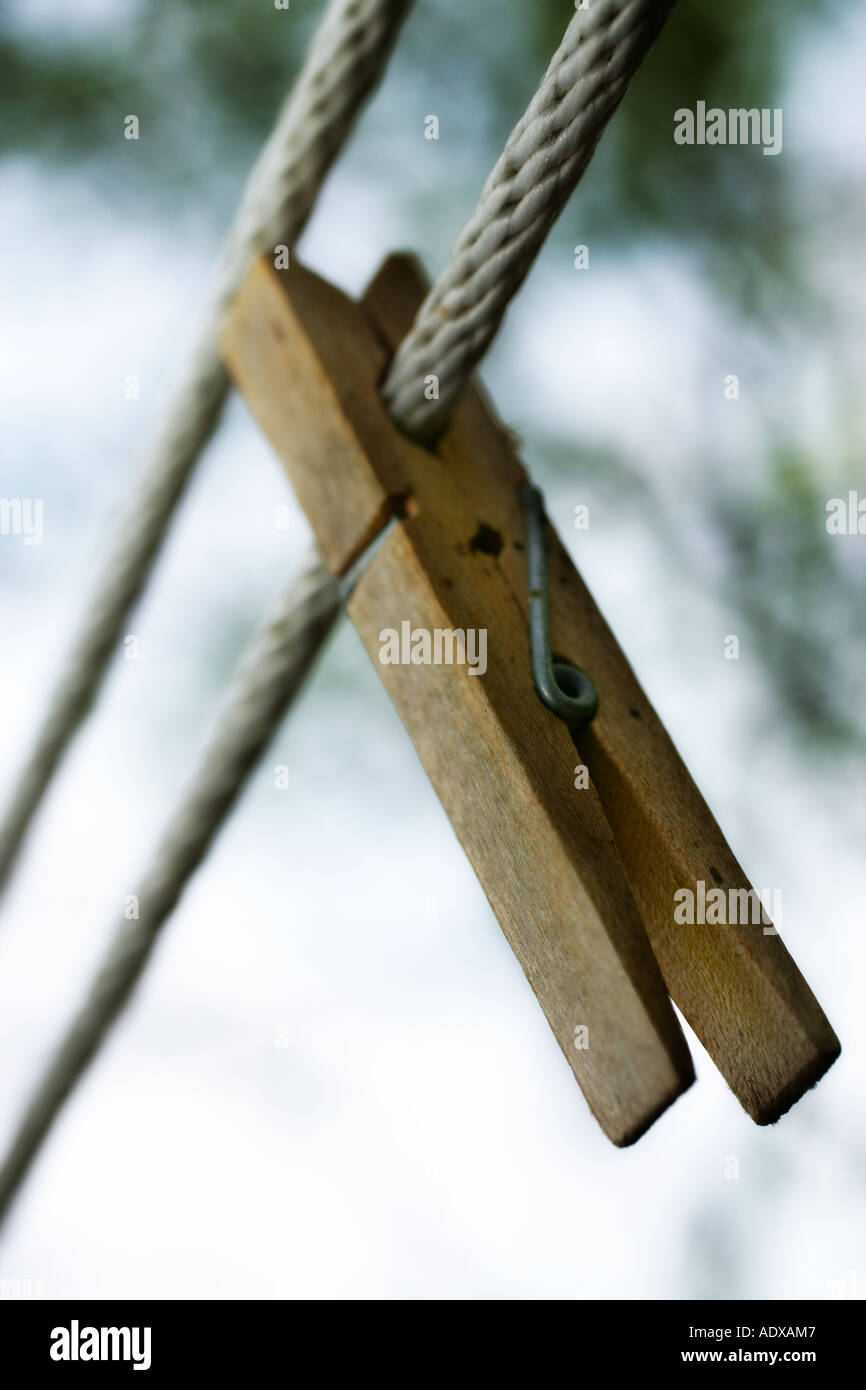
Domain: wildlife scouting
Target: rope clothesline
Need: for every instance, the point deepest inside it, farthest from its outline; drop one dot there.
(270, 674)
(532, 181)
(347, 56)
(601, 50)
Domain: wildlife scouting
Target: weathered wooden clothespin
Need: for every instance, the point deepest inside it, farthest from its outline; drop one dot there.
(582, 880)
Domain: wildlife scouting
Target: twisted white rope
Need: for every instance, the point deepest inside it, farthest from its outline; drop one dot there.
(269, 676)
(347, 56)
(542, 162)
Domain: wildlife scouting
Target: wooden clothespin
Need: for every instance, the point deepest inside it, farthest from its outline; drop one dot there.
(582, 881)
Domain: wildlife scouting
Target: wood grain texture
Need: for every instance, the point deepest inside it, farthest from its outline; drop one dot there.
(500, 762)
(542, 850)
(299, 402)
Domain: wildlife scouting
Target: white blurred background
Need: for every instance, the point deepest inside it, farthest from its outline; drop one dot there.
(334, 1081)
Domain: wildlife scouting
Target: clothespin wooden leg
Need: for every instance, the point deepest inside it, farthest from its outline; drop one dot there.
(309, 360)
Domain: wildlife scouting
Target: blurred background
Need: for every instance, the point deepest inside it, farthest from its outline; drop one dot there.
(335, 1081)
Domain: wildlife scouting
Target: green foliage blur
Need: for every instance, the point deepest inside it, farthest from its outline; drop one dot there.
(206, 77)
